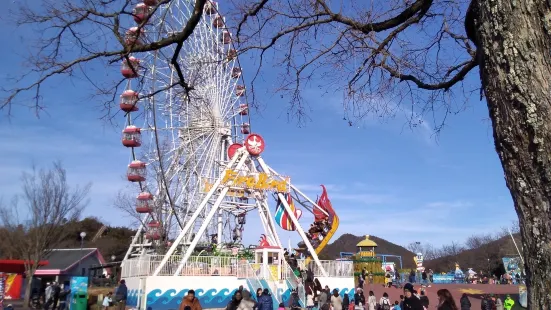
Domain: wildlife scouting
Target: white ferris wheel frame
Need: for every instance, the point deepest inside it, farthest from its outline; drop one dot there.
(241, 159)
(212, 141)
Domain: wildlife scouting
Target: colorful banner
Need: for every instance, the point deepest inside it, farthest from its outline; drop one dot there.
(79, 285)
(511, 265)
(13, 283)
(282, 216)
(2, 289)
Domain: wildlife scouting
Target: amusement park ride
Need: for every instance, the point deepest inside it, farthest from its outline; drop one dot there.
(197, 165)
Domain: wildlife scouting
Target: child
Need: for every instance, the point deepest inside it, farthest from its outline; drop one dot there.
(107, 301)
(396, 306)
(309, 301)
(281, 306)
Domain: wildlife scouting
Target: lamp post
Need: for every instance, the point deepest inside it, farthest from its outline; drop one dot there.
(82, 236)
(114, 275)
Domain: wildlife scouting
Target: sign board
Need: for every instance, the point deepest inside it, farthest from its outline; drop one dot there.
(2, 289)
(443, 278)
(259, 181)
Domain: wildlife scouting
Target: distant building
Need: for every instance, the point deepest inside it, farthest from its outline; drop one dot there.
(66, 263)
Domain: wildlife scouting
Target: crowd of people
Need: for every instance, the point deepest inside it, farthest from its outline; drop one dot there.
(327, 299)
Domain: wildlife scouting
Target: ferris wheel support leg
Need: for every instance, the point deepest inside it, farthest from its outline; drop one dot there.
(270, 230)
(294, 219)
(191, 221)
(201, 230)
(271, 223)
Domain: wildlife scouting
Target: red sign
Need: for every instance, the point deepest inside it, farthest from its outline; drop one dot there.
(254, 144)
(13, 284)
(233, 148)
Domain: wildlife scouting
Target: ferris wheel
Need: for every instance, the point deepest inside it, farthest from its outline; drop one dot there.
(178, 137)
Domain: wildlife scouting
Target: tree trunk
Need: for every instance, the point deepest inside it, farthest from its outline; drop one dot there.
(514, 41)
(26, 304)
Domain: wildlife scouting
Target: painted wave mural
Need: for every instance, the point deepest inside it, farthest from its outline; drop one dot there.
(171, 299)
(132, 298)
(210, 298)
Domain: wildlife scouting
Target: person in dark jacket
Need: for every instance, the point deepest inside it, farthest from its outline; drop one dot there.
(345, 302)
(235, 301)
(424, 299)
(411, 302)
(465, 302)
(359, 297)
(412, 276)
(265, 301)
(445, 300)
(121, 294)
(294, 300)
(483, 302)
(490, 303)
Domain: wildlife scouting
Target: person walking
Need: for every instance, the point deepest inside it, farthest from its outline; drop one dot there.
(509, 303)
(265, 301)
(445, 300)
(465, 302)
(336, 301)
(385, 302)
(371, 301)
(411, 302)
(499, 303)
(121, 294)
(235, 301)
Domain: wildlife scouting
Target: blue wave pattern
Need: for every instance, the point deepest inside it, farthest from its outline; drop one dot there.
(171, 299)
(212, 298)
(132, 298)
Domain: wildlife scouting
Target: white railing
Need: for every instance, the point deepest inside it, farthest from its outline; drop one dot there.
(334, 268)
(195, 266)
(222, 266)
(245, 270)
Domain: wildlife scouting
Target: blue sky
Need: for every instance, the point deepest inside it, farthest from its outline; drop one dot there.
(384, 178)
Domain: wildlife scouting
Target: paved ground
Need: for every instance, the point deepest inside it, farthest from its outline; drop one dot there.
(474, 291)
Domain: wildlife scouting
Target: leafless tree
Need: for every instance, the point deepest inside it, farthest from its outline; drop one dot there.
(478, 241)
(428, 250)
(415, 247)
(34, 223)
(381, 56)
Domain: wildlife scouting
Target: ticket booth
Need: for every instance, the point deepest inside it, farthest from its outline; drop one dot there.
(269, 258)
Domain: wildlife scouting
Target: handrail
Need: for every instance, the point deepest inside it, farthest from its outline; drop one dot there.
(296, 284)
(255, 277)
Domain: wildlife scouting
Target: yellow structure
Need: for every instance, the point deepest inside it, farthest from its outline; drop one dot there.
(365, 259)
(366, 247)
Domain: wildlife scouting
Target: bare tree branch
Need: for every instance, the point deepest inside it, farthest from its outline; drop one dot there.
(34, 224)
